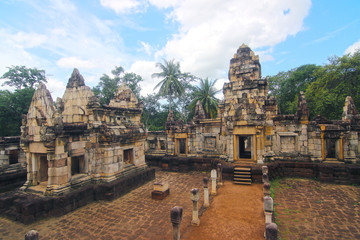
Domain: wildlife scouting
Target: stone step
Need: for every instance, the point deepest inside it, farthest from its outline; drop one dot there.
(242, 169)
(242, 179)
(243, 175)
(242, 183)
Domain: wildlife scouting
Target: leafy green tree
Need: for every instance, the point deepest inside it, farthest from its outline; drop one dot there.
(170, 86)
(334, 82)
(12, 107)
(152, 115)
(107, 86)
(287, 85)
(133, 80)
(205, 93)
(23, 77)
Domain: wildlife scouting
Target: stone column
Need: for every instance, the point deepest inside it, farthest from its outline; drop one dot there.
(268, 204)
(176, 217)
(213, 182)
(219, 174)
(265, 178)
(271, 231)
(206, 192)
(265, 170)
(195, 196)
(32, 235)
(266, 189)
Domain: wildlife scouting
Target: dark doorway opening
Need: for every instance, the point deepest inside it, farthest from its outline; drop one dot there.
(43, 168)
(245, 147)
(128, 156)
(330, 148)
(182, 145)
(13, 156)
(77, 165)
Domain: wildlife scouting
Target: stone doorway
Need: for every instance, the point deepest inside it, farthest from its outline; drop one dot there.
(182, 146)
(244, 147)
(43, 168)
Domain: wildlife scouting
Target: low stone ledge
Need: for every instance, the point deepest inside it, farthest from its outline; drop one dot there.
(28, 208)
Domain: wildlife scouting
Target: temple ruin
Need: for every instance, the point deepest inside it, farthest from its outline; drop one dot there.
(249, 129)
(75, 141)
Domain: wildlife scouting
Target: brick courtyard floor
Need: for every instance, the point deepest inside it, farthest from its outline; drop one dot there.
(308, 209)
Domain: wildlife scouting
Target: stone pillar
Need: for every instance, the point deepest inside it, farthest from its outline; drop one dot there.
(195, 196)
(266, 189)
(265, 178)
(271, 231)
(176, 217)
(32, 235)
(213, 182)
(265, 170)
(268, 204)
(206, 192)
(219, 174)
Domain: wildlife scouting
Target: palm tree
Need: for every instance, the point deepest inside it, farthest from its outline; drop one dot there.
(170, 85)
(206, 95)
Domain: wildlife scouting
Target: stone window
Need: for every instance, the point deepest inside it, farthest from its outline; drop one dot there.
(152, 144)
(287, 143)
(77, 165)
(210, 142)
(162, 144)
(128, 156)
(13, 156)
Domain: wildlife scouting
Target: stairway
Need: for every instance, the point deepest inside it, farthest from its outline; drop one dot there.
(242, 175)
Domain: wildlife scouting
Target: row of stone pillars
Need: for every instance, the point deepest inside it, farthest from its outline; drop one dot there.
(176, 212)
(271, 230)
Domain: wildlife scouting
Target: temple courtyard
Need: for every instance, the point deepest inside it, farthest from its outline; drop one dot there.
(305, 209)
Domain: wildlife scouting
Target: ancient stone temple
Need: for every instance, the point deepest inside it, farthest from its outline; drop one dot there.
(76, 142)
(250, 130)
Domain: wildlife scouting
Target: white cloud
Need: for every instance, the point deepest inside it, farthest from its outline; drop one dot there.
(145, 69)
(353, 48)
(74, 62)
(211, 31)
(122, 6)
(146, 47)
(56, 88)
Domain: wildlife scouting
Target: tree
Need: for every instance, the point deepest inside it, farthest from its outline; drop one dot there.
(205, 93)
(287, 85)
(12, 107)
(107, 86)
(334, 82)
(22, 77)
(170, 85)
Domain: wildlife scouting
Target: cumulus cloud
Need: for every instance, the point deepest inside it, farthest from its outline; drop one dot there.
(123, 6)
(71, 62)
(211, 31)
(145, 69)
(353, 48)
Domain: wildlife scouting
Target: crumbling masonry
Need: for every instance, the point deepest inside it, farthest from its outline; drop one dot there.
(249, 128)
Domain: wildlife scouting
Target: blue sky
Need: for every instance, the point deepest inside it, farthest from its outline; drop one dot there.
(97, 35)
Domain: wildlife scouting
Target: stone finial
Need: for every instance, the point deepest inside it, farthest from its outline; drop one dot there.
(266, 189)
(271, 231)
(176, 214)
(349, 109)
(124, 97)
(265, 170)
(32, 235)
(199, 111)
(171, 116)
(194, 194)
(265, 178)
(76, 79)
(302, 110)
(206, 181)
(268, 204)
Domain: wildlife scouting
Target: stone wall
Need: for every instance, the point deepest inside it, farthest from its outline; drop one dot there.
(28, 208)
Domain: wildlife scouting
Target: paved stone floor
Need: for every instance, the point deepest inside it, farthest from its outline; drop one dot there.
(308, 209)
